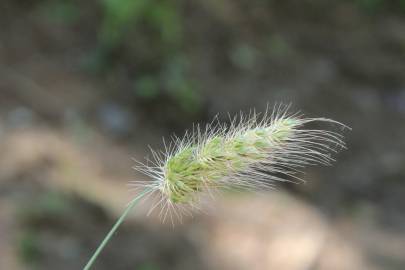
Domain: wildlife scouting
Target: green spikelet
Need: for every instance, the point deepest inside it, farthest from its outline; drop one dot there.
(196, 167)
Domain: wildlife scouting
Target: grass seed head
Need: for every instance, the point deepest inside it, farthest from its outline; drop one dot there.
(251, 153)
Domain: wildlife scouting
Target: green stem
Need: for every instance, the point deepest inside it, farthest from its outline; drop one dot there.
(114, 228)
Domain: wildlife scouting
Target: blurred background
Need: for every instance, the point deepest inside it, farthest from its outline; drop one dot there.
(86, 85)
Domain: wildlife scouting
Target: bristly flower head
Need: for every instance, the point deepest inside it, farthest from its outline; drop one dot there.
(253, 152)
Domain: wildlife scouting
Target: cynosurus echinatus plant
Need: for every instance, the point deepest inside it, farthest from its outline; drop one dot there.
(253, 152)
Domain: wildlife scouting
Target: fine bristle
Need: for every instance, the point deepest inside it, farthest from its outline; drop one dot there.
(252, 152)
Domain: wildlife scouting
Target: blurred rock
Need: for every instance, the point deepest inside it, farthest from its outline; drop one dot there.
(277, 231)
(115, 119)
(273, 232)
(20, 117)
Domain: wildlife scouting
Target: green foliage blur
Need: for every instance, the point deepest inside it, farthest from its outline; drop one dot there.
(119, 15)
(145, 39)
(375, 6)
(125, 21)
(50, 206)
(145, 34)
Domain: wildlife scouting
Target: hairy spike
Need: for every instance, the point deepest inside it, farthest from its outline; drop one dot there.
(252, 152)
